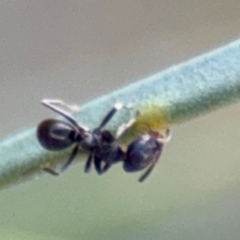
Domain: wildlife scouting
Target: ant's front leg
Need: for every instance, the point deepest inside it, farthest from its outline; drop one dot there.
(109, 115)
(124, 127)
(118, 106)
(166, 138)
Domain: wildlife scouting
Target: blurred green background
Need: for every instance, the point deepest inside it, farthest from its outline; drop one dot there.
(78, 50)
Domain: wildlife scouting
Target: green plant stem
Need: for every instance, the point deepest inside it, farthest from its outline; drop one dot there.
(173, 96)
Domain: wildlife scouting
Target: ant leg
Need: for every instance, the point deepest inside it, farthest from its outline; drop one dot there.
(51, 104)
(114, 155)
(106, 167)
(52, 172)
(58, 102)
(123, 128)
(66, 165)
(88, 163)
(71, 158)
(162, 140)
(109, 115)
(97, 163)
(166, 138)
(149, 170)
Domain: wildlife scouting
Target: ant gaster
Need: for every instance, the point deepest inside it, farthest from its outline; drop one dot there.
(56, 135)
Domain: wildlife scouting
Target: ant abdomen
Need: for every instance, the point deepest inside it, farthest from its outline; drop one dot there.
(55, 134)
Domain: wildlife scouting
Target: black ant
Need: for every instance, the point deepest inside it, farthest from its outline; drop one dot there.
(54, 134)
(102, 146)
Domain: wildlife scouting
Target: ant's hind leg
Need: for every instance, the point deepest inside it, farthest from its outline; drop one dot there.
(52, 172)
(106, 167)
(66, 165)
(52, 104)
(88, 163)
(57, 102)
(97, 163)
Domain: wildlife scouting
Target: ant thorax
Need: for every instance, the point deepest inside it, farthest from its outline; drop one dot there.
(89, 140)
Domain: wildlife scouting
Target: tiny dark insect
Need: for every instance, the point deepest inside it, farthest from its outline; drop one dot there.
(57, 135)
(101, 145)
(145, 151)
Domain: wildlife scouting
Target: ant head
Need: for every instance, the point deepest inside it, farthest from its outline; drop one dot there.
(56, 135)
